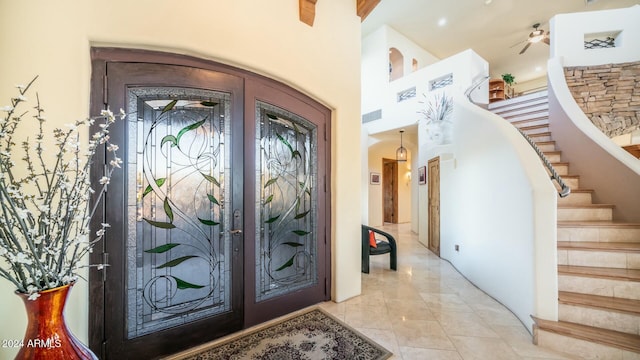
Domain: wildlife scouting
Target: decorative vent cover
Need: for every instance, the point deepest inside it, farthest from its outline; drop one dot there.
(441, 82)
(372, 116)
(609, 42)
(406, 94)
(601, 40)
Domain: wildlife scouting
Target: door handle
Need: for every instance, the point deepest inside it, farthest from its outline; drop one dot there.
(236, 223)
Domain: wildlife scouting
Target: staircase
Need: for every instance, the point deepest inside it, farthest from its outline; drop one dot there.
(598, 258)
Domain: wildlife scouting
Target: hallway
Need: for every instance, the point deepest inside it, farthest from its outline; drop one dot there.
(427, 310)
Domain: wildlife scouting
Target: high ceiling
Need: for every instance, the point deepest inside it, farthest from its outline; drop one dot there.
(489, 27)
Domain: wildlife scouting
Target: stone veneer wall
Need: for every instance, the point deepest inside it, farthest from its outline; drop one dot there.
(608, 94)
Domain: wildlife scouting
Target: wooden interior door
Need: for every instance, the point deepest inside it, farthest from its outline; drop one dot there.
(390, 190)
(434, 205)
(219, 216)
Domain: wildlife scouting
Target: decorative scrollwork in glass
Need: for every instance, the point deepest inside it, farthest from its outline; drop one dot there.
(178, 253)
(286, 213)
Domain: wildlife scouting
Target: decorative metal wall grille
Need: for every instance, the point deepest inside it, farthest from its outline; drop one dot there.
(441, 82)
(609, 42)
(372, 116)
(406, 94)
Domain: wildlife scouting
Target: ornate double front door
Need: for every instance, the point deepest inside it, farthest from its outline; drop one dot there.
(219, 214)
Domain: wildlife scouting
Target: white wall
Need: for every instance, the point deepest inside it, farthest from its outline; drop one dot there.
(375, 65)
(533, 85)
(387, 150)
(568, 32)
(374, 70)
(498, 205)
(466, 66)
(52, 39)
(409, 50)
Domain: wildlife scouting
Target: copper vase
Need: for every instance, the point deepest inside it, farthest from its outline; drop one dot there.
(47, 335)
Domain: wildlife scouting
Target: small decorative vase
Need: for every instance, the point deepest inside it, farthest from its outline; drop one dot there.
(436, 133)
(47, 335)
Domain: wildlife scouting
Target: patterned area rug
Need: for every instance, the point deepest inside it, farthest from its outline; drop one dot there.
(314, 335)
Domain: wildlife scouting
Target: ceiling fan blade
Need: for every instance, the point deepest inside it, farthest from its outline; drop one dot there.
(524, 48)
(546, 41)
(516, 44)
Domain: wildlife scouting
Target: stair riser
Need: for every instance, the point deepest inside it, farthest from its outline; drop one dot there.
(501, 107)
(596, 286)
(536, 138)
(537, 97)
(560, 169)
(576, 198)
(580, 349)
(526, 116)
(602, 318)
(553, 157)
(525, 109)
(546, 147)
(572, 183)
(598, 234)
(585, 214)
(610, 259)
(531, 122)
(535, 131)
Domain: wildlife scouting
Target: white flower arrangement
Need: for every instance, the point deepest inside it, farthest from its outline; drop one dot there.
(438, 110)
(44, 224)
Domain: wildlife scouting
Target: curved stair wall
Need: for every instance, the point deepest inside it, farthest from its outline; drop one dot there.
(499, 207)
(601, 163)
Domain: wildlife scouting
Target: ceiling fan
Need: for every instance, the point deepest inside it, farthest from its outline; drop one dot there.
(536, 36)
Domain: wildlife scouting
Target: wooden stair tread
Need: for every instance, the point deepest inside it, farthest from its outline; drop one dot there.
(600, 272)
(600, 246)
(560, 163)
(581, 190)
(587, 206)
(629, 306)
(540, 134)
(570, 176)
(534, 127)
(547, 142)
(599, 224)
(555, 152)
(607, 337)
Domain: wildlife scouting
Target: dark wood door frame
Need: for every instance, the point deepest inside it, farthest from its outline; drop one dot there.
(97, 287)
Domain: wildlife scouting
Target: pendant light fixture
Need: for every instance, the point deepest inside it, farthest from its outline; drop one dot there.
(401, 153)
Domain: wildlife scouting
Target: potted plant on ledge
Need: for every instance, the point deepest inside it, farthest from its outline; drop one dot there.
(45, 196)
(509, 80)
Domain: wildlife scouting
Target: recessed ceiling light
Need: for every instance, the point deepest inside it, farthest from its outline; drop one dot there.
(487, 2)
(442, 22)
(538, 68)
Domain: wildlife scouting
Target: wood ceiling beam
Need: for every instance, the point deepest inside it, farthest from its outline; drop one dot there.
(307, 11)
(364, 7)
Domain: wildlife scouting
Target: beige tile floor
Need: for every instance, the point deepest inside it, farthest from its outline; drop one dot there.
(427, 310)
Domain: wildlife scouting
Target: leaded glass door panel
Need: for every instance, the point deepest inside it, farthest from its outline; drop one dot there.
(176, 279)
(179, 254)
